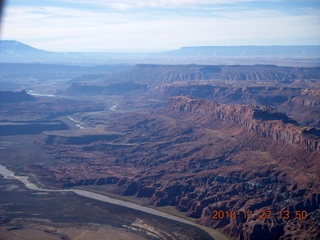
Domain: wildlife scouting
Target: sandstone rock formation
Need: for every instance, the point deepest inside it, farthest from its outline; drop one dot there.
(7, 96)
(149, 73)
(200, 157)
(301, 104)
(263, 120)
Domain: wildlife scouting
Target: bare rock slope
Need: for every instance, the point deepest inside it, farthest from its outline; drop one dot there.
(263, 120)
(201, 157)
(149, 73)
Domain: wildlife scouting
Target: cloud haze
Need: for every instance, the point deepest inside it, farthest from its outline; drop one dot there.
(124, 25)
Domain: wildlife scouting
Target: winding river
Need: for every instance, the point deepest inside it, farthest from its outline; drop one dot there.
(11, 175)
(77, 125)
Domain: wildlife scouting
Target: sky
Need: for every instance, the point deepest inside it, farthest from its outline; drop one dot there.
(157, 25)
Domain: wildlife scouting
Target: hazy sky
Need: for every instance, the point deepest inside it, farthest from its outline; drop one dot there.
(115, 25)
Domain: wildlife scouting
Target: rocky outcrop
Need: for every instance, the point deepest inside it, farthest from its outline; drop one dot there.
(305, 102)
(149, 73)
(263, 120)
(301, 104)
(200, 156)
(10, 97)
(259, 95)
(92, 181)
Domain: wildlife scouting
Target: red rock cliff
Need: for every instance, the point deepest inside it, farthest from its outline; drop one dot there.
(264, 120)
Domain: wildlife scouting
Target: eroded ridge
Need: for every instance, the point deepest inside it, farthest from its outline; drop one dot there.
(263, 120)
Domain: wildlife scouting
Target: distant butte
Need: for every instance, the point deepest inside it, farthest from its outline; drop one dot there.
(8, 96)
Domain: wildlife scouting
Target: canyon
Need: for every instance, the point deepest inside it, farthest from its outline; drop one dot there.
(201, 156)
(193, 138)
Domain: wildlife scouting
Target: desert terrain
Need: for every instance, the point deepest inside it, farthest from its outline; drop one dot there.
(242, 141)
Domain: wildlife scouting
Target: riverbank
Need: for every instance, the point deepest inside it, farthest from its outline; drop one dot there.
(10, 175)
(168, 209)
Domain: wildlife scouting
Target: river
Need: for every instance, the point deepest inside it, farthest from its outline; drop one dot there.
(11, 175)
(77, 125)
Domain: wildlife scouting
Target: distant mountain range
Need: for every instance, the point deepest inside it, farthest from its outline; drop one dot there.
(248, 51)
(14, 51)
(17, 52)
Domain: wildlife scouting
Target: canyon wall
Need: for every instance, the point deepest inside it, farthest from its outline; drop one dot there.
(151, 74)
(198, 156)
(263, 120)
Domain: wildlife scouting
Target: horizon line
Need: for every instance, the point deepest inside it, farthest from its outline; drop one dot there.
(158, 50)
